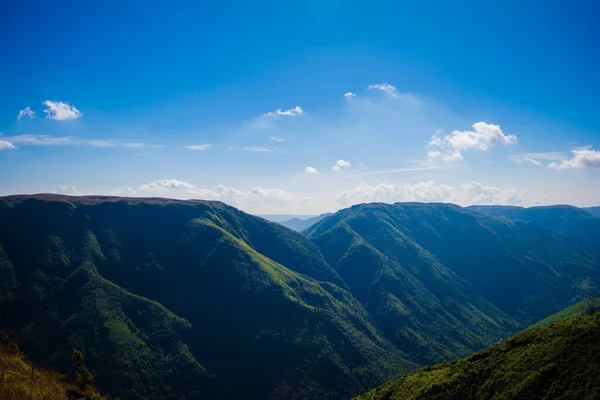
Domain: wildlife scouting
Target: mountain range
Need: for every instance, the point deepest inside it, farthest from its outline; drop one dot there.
(186, 299)
(300, 225)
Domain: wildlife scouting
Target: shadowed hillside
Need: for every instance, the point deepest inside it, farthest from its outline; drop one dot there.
(560, 219)
(442, 280)
(173, 299)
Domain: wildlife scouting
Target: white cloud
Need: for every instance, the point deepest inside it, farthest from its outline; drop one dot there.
(292, 112)
(391, 193)
(258, 149)
(534, 158)
(349, 95)
(581, 158)
(99, 143)
(4, 144)
(167, 184)
(446, 155)
(200, 147)
(340, 164)
(271, 196)
(409, 169)
(240, 198)
(385, 87)
(429, 191)
(311, 170)
(138, 144)
(482, 137)
(60, 111)
(112, 143)
(68, 190)
(26, 112)
(45, 140)
(276, 139)
(40, 140)
(476, 193)
(124, 191)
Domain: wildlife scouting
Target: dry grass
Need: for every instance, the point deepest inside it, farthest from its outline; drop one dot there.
(20, 380)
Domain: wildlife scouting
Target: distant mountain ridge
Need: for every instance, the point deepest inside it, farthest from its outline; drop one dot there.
(561, 219)
(187, 299)
(300, 225)
(595, 211)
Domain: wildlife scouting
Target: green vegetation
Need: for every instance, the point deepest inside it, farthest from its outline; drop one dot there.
(442, 281)
(561, 219)
(84, 378)
(21, 380)
(586, 306)
(558, 361)
(173, 299)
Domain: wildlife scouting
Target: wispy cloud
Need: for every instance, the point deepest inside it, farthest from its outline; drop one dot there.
(60, 111)
(536, 158)
(166, 184)
(68, 190)
(122, 191)
(311, 171)
(430, 191)
(386, 88)
(40, 140)
(241, 198)
(4, 144)
(276, 139)
(199, 147)
(46, 140)
(349, 95)
(339, 164)
(258, 149)
(26, 113)
(408, 169)
(292, 112)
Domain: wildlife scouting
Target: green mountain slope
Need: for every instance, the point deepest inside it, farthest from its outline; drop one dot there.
(558, 361)
(583, 307)
(174, 299)
(444, 281)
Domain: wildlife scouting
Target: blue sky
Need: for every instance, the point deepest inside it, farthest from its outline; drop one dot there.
(305, 106)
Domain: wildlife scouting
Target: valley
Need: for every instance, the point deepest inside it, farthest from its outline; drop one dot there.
(188, 299)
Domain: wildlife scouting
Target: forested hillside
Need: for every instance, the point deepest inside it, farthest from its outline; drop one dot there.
(558, 361)
(175, 299)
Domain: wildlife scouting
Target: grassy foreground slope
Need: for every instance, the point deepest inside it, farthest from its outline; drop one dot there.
(19, 380)
(584, 306)
(558, 361)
